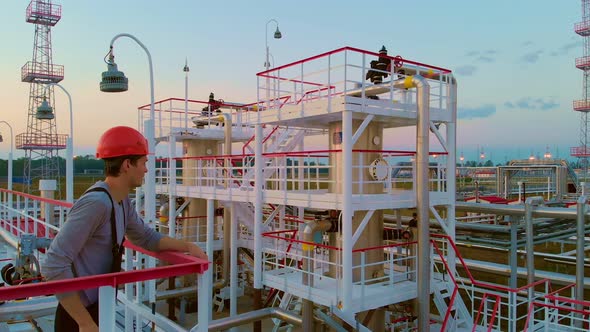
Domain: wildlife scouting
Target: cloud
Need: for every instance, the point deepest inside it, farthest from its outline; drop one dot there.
(565, 48)
(527, 43)
(466, 70)
(532, 57)
(478, 112)
(482, 56)
(532, 104)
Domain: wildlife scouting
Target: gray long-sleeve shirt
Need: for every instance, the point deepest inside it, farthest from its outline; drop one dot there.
(85, 239)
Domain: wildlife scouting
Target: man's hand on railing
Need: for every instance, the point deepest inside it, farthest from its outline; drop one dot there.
(168, 243)
(195, 250)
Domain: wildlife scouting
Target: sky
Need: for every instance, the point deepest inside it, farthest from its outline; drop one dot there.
(513, 60)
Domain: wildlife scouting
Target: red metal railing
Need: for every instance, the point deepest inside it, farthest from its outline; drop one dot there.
(43, 12)
(583, 62)
(581, 105)
(567, 305)
(35, 141)
(181, 265)
(582, 27)
(580, 151)
(480, 284)
(355, 50)
(494, 311)
(34, 70)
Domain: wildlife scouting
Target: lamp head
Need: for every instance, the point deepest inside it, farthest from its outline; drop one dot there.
(278, 34)
(185, 69)
(45, 111)
(113, 80)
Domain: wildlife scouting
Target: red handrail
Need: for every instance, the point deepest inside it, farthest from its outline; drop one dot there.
(38, 198)
(181, 265)
(353, 49)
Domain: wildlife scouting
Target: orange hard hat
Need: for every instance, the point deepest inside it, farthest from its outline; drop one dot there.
(121, 141)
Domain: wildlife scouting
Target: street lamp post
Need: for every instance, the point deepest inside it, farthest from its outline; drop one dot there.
(462, 159)
(69, 148)
(115, 81)
(277, 35)
(9, 156)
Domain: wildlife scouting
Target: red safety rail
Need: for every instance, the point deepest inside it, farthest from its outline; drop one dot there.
(569, 305)
(583, 62)
(470, 276)
(276, 235)
(43, 12)
(582, 28)
(181, 264)
(351, 49)
(580, 151)
(27, 223)
(313, 153)
(274, 291)
(26, 141)
(581, 105)
(34, 71)
(494, 311)
(159, 108)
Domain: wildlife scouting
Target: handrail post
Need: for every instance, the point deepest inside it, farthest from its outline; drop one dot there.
(204, 299)
(529, 205)
(580, 235)
(106, 308)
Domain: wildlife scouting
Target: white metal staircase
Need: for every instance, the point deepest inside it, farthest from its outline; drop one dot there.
(279, 140)
(459, 316)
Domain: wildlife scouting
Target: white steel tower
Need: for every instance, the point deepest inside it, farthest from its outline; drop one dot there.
(583, 105)
(41, 141)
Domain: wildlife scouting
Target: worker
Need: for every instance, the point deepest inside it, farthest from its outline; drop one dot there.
(414, 221)
(90, 242)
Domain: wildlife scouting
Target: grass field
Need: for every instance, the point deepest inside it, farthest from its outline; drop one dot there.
(81, 183)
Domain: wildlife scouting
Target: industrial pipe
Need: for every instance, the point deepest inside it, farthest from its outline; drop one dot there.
(515, 210)
(580, 235)
(422, 196)
(226, 211)
(529, 206)
(252, 316)
(310, 229)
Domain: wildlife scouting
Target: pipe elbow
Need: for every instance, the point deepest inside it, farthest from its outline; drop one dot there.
(420, 82)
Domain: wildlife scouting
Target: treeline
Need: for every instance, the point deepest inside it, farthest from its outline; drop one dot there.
(81, 163)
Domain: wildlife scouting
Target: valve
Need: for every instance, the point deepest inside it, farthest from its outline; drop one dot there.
(379, 68)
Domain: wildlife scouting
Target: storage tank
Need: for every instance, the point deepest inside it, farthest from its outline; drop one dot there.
(372, 235)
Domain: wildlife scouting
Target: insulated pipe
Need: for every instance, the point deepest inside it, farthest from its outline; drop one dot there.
(462, 226)
(580, 234)
(310, 229)
(451, 173)
(529, 206)
(422, 198)
(258, 186)
(422, 193)
(548, 212)
(347, 212)
(227, 211)
(172, 187)
(252, 316)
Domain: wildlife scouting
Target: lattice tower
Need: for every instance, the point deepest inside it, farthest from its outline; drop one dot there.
(41, 142)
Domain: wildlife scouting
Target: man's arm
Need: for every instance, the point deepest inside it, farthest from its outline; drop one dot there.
(168, 243)
(74, 306)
